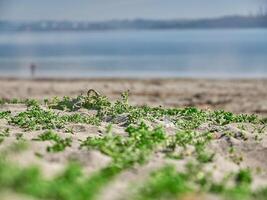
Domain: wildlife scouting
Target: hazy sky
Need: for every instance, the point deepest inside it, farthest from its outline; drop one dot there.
(95, 10)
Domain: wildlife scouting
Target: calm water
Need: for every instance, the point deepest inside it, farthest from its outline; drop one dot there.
(189, 53)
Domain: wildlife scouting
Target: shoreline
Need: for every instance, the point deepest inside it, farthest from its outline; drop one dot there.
(66, 79)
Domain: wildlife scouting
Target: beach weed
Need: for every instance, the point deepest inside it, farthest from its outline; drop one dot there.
(36, 118)
(59, 143)
(5, 114)
(126, 151)
(165, 183)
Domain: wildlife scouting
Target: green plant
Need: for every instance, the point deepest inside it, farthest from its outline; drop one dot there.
(60, 144)
(166, 183)
(5, 114)
(188, 140)
(135, 148)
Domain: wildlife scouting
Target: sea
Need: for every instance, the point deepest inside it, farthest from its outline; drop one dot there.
(209, 53)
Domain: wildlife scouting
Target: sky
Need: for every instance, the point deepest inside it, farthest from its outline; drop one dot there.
(99, 10)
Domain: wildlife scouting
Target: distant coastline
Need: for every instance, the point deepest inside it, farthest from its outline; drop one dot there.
(226, 22)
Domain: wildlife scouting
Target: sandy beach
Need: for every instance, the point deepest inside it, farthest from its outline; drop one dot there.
(238, 96)
(234, 146)
(133, 100)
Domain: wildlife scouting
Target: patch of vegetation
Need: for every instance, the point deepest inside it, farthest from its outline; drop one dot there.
(36, 118)
(89, 101)
(221, 117)
(166, 183)
(18, 146)
(186, 119)
(126, 151)
(8, 101)
(4, 134)
(78, 118)
(69, 185)
(28, 102)
(195, 139)
(5, 114)
(60, 144)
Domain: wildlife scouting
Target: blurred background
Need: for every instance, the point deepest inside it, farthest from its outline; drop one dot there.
(140, 38)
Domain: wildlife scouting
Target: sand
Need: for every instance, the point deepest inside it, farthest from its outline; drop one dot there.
(238, 96)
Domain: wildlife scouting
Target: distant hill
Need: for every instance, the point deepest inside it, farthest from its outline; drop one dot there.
(138, 24)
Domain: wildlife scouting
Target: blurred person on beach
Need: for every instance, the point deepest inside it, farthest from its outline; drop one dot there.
(33, 69)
